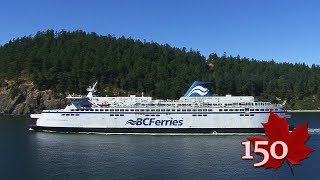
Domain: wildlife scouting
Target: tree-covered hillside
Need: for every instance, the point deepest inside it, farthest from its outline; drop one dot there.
(70, 61)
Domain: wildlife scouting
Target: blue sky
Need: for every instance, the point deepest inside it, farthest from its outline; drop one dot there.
(283, 30)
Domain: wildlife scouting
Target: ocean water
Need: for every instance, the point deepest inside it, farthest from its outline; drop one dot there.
(37, 155)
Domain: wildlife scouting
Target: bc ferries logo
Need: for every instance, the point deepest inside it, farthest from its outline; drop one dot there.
(202, 91)
(153, 121)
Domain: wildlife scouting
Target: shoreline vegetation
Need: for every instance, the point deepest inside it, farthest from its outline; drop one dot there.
(37, 72)
(290, 111)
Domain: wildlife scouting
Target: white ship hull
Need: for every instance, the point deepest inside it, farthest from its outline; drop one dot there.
(214, 122)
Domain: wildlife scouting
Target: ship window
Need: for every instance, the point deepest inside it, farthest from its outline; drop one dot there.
(204, 109)
(251, 114)
(96, 110)
(77, 114)
(101, 109)
(147, 109)
(178, 109)
(230, 109)
(247, 115)
(225, 110)
(152, 109)
(220, 109)
(251, 109)
(82, 109)
(121, 110)
(266, 109)
(72, 114)
(116, 110)
(67, 114)
(136, 109)
(209, 109)
(167, 109)
(158, 115)
(275, 109)
(236, 110)
(157, 109)
(72, 109)
(204, 115)
(188, 109)
(194, 110)
(63, 114)
(147, 115)
(87, 109)
(131, 109)
(194, 115)
(199, 114)
(261, 109)
(116, 114)
(121, 115)
(241, 114)
(257, 109)
(111, 114)
(127, 110)
(199, 109)
(183, 110)
(77, 110)
(173, 110)
(91, 109)
(241, 109)
(152, 115)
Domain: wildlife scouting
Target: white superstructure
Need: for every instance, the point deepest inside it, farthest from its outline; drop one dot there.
(196, 112)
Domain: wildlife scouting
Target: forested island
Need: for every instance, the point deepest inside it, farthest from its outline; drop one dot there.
(45, 67)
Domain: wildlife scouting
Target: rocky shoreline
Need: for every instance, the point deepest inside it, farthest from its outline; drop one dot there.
(23, 98)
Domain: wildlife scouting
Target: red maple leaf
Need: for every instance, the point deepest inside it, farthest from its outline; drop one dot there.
(277, 129)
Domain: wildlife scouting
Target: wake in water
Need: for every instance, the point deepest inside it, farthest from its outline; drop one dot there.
(314, 131)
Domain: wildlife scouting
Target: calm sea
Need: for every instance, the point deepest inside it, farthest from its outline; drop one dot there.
(36, 155)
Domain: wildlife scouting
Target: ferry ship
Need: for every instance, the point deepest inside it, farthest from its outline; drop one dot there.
(197, 111)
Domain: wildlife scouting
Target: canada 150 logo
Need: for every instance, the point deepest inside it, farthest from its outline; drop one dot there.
(280, 145)
(153, 121)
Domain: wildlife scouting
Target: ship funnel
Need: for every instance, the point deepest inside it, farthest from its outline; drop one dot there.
(199, 89)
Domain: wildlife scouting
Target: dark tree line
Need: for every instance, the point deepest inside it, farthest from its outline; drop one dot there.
(70, 61)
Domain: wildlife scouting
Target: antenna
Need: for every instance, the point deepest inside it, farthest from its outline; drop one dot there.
(91, 90)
